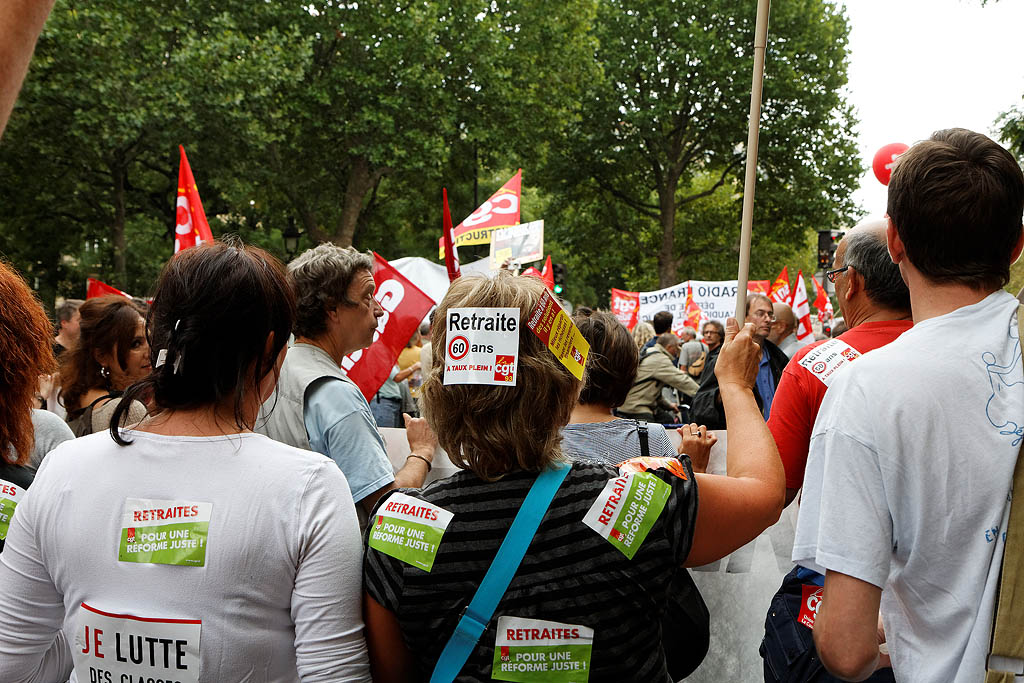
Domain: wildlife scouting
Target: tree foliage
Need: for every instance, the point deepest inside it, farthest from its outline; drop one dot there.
(347, 118)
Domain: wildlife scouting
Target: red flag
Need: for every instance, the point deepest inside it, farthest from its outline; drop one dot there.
(822, 302)
(692, 312)
(548, 275)
(451, 252)
(404, 306)
(780, 288)
(500, 211)
(802, 310)
(96, 288)
(759, 287)
(191, 227)
(532, 272)
(626, 307)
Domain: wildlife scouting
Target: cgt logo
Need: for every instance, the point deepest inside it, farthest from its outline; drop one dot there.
(505, 368)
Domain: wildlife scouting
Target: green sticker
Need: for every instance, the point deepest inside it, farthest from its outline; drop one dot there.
(10, 494)
(536, 650)
(627, 509)
(409, 530)
(165, 532)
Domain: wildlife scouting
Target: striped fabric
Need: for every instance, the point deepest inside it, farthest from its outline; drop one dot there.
(570, 574)
(613, 442)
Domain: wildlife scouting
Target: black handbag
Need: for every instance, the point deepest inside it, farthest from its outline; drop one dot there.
(685, 622)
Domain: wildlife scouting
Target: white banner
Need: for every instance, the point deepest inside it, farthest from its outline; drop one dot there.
(716, 298)
(519, 243)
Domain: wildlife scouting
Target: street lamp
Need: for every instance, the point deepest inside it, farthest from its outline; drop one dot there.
(291, 239)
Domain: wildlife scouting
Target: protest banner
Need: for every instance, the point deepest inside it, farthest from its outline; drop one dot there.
(521, 243)
(780, 288)
(500, 211)
(715, 298)
(191, 227)
(405, 306)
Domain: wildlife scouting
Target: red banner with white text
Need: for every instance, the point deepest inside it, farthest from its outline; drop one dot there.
(500, 211)
(625, 306)
(405, 306)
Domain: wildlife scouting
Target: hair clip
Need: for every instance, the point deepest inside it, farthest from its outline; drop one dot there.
(161, 358)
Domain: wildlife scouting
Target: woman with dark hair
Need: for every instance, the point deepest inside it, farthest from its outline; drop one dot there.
(26, 434)
(593, 582)
(188, 547)
(111, 354)
(594, 433)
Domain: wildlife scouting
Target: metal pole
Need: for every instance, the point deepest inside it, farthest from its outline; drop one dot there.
(760, 43)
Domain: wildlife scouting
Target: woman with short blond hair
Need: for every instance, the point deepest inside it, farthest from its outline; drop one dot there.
(573, 578)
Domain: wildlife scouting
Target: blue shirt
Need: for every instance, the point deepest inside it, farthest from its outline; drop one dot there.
(765, 384)
(339, 425)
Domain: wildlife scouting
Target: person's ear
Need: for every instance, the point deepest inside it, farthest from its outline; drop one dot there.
(897, 252)
(1017, 248)
(854, 283)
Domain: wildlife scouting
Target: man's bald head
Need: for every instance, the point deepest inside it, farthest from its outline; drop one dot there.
(785, 323)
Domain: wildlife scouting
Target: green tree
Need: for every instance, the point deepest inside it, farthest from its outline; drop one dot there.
(662, 131)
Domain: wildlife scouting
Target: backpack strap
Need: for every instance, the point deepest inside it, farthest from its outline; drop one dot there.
(1006, 658)
(499, 575)
(641, 432)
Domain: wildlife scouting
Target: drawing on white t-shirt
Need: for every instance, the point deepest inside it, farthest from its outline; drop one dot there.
(999, 409)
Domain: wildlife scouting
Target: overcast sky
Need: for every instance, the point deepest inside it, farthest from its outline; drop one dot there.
(920, 65)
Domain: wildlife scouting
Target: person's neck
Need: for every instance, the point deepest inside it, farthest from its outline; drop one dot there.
(63, 340)
(206, 421)
(930, 299)
(332, 347)
(867, 312)
(591, 412)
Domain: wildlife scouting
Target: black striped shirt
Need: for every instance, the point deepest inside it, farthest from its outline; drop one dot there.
(570, 574)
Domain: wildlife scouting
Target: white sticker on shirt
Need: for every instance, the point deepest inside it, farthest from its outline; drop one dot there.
(10, 494)
(164, 532)
(536, 650)
(826, 360)
(409, 529)
(125, 648)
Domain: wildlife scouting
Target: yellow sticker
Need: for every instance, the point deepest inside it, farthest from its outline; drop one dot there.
(553, 326)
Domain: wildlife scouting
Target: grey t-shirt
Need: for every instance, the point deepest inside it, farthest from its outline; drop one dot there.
(690, 351)
(613, 442)
(50, 430)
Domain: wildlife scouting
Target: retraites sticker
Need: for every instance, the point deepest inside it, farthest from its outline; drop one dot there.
(482, 346)
(826, 360)
(553, 326)
(10, 494)
(409, 529)
(627, 508)
(127, 648)
(537, 650)
(164, 532)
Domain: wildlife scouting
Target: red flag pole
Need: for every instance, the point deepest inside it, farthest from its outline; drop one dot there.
(760, 43)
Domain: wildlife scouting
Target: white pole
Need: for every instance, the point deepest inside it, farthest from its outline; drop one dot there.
(760, 43)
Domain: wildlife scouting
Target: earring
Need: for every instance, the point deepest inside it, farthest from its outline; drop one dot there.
(105, 372)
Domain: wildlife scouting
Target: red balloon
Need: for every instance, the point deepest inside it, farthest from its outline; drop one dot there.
(884, 159)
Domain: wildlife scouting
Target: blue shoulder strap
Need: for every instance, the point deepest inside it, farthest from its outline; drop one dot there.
(499, 575)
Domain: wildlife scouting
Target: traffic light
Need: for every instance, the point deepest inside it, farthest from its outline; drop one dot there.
(558, 272)
(828, 240)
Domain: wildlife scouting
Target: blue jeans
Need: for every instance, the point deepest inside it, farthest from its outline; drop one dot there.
(386, 411)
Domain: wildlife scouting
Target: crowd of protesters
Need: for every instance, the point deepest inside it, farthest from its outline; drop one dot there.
(221, 412)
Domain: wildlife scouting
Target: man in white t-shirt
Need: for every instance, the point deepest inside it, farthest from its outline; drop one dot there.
(911, 458)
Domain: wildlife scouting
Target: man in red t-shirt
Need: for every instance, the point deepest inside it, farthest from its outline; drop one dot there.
(875, 302)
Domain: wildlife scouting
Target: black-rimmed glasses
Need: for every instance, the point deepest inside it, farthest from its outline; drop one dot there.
(831, 274)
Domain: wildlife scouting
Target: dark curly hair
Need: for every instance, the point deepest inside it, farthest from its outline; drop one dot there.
(26, 351)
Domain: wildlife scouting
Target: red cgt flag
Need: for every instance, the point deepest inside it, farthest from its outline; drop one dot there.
(548, 275)
(500, 211)
(626, 307)
(692, 311)
(405, 306)
(451, 252)
(191, 227)
(780, 288)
